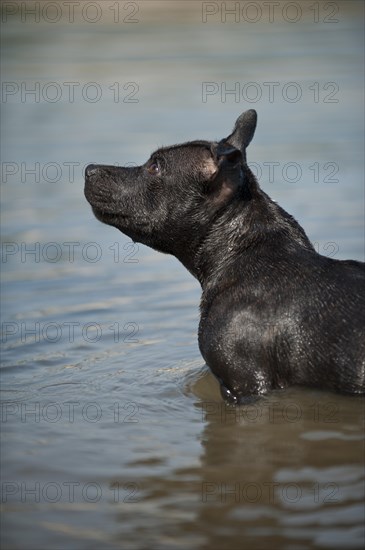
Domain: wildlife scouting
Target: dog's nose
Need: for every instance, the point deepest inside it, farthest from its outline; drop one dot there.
(90, 170)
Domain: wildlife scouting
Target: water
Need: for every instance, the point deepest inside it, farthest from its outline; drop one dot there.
(114, 431)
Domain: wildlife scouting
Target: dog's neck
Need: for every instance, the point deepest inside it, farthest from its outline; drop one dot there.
(243, 227)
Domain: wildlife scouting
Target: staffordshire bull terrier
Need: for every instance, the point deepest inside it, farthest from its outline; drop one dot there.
(274, 312)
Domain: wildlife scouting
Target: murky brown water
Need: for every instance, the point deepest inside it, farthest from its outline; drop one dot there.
(114, 432)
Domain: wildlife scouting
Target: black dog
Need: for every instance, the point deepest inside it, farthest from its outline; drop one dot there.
(273, 311)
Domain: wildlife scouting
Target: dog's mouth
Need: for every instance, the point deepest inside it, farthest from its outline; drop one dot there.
(96, 195)
(109, 209)
(99, 194)
(106, 216)
(104, 210)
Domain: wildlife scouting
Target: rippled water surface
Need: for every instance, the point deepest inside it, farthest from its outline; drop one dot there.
(114, 431)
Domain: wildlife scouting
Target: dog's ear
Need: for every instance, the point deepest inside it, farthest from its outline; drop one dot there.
(243, 132)
(227, 154)
(220, 154)
(227, 175)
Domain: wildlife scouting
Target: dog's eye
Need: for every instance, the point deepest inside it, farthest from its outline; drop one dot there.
(153, 168)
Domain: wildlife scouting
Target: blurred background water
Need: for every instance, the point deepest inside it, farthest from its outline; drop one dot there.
(114, 431)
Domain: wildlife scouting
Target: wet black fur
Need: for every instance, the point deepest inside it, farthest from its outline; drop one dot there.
(274, 312)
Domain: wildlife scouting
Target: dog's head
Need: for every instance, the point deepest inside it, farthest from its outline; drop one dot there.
(172, 198)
